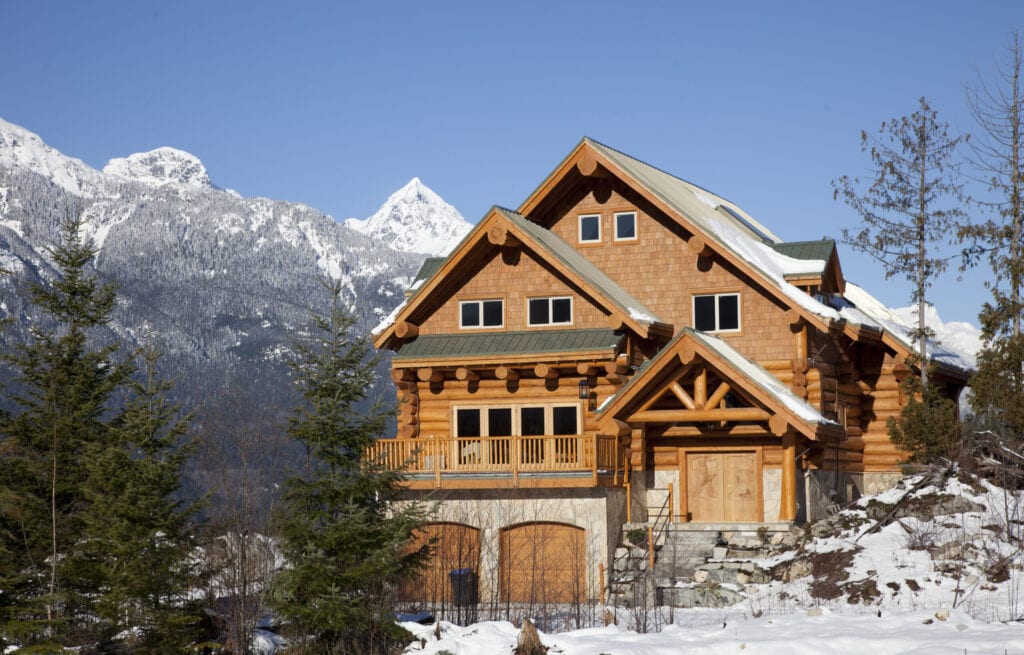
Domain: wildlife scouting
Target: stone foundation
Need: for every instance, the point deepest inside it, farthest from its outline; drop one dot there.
(601, 512)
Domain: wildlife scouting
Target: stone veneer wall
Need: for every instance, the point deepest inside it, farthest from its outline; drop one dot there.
(599, 511)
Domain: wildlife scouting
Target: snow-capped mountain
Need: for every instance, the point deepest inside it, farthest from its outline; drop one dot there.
(159, 167)
(958, 335)
(415, 219)
(25, 151)
(220, 282)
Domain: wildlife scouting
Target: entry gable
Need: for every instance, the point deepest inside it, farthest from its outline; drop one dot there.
(698, 379)
(504, 229)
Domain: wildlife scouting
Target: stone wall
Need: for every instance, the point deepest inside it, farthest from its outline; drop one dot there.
(599, 511)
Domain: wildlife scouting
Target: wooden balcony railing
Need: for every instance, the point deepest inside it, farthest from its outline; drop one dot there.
(585, 453)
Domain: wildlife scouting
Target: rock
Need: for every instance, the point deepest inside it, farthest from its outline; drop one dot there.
(814, 611)
(700, 575)
(942, 614)
(720, 552)
(742, 578)
(947, 551)
(961, 627)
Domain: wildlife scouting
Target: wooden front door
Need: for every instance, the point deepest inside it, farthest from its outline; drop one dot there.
(722, 486)
(543, 563)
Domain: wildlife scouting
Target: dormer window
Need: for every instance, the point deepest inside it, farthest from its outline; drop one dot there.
(590, 228)
(718, 312)
(625, 226)
(474, 314)
(549, 311)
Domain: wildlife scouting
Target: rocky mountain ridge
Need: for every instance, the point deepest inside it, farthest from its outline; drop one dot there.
(220, 282)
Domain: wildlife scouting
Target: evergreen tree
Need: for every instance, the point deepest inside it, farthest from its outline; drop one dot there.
(66, 385)
(135, 544)
(928, 425)
(998, 153)
(91, 542)
(910, 206)
(345, 539)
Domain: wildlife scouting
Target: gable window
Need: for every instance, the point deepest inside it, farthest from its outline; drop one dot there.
(482, 313)
(590, 228)
(550, 311)
(625, 226)
(719, 312)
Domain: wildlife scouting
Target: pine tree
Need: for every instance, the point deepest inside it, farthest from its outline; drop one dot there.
(344, 537)
(998, 154)
(91, 541)
(911, 205)
(67, 385)
(135, 544)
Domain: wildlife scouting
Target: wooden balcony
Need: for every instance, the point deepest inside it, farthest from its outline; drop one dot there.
(485, 462)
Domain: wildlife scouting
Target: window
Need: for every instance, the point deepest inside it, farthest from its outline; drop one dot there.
(546, 434)
(625, 226)
(718, 312)
(481, 313)
(519, 420)
(549, 311)
(590, 228)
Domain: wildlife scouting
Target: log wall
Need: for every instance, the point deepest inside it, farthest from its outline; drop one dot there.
(426, 407)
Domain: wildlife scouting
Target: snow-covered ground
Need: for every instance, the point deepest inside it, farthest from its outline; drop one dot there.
(931, 566)
(733, 631)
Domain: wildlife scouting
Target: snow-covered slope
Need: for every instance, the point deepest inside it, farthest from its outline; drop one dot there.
(21, 149)
(957, 335)
(220, 282)
(415, 219)
(159, 167)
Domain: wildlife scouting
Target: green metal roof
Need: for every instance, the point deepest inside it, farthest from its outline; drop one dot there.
(429, 267)
(509, 343)
(806, 249)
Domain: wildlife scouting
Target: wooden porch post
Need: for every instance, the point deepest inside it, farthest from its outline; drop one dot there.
(787, 505)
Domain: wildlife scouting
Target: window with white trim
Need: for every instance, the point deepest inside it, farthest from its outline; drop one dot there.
(625, 226)
(590, 228)
(717, 312)
(482, 313)
(549, 311)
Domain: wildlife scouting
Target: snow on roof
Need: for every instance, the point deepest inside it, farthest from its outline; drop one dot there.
(861, 308)
(757, 374)
(389, 320)
(774, 265)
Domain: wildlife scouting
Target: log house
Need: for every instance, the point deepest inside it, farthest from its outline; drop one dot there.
(621, 333)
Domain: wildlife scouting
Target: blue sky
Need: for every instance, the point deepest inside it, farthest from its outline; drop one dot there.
(337, 104)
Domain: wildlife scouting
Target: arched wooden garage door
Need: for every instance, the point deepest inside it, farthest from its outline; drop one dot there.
(456, 547)
(543, 563)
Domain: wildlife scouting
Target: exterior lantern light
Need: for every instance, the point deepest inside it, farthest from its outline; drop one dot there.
(584, 389)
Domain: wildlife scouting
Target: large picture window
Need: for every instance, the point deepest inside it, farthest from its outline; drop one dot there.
(718, 312)
(482, 313)
(549, 311)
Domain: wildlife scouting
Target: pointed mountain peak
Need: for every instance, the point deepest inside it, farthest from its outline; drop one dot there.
(159, 167)
(415, 219)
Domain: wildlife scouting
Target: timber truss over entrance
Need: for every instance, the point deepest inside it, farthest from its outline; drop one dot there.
(699, 385)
